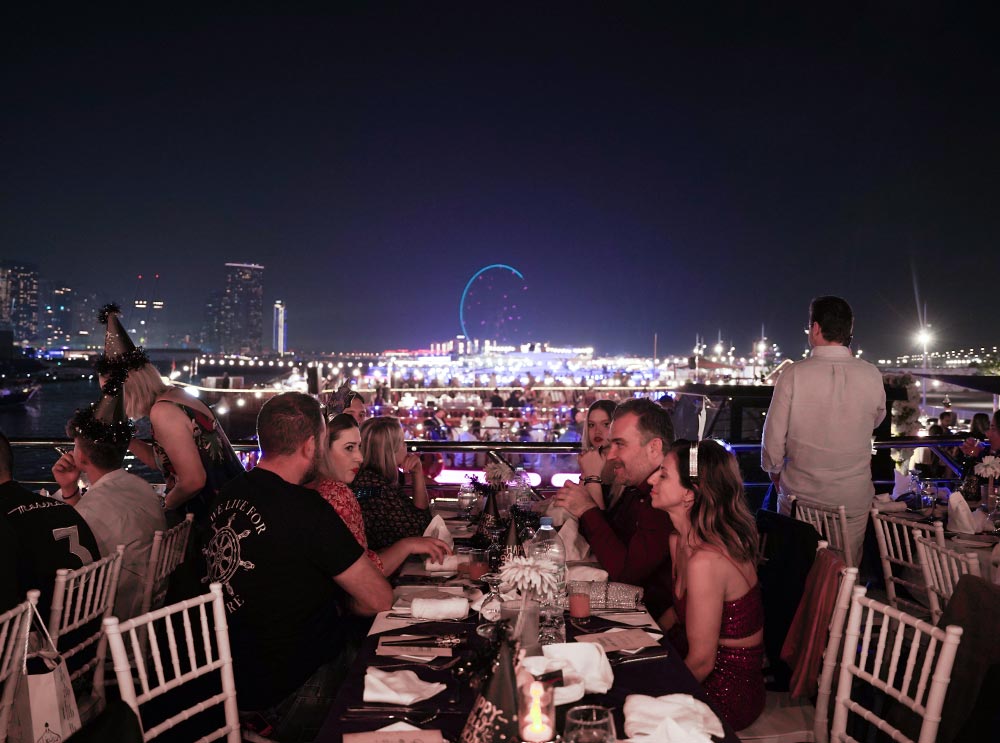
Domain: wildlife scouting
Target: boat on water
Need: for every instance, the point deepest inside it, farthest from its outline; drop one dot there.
(17, 394)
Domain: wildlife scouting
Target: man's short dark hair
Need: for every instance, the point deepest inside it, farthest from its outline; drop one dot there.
(654, 421)
(6, 459)
(105, 455)
(287, 421)
(835, 318)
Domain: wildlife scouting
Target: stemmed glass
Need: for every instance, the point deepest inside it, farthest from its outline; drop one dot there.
(589, 724)
(490, 609)
(467, 497)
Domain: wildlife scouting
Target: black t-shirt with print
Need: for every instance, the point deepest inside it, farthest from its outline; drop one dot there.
(276, 547)
(39, 535)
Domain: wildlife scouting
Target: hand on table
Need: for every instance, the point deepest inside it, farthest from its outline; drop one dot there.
(435, 549)
(574, 498)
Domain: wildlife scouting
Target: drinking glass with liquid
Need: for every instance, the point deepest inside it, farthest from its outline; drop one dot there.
(589, 724)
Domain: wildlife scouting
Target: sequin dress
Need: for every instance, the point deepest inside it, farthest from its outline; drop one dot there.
(736, 684)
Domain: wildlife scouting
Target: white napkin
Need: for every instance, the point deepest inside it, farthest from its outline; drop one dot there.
(588, 660)
(959, 516)
(885, 504)
(399, 687)
(902, 485)
(573, 687)
(450, 608)
(577, 548)
(586, 572)
(477, 602)
(558, 514)
(673, 718)
(439, 530)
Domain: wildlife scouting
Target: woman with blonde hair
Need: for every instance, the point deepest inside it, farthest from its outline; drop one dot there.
(392, 509)
(338, 469)
(717, 620)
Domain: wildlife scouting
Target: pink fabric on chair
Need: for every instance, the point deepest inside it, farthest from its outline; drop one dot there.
(807, 636)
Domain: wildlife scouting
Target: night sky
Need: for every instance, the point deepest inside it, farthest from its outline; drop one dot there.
(647, 170)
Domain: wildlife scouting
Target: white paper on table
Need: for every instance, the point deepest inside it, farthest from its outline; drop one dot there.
(655, 636)
(624, 639)
(398, 732)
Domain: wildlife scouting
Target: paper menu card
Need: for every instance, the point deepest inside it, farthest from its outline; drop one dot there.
(395, 736)
(629, 639)
(415, 650)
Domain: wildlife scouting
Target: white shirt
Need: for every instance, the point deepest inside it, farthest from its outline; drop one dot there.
(121, 508)
(818, 430)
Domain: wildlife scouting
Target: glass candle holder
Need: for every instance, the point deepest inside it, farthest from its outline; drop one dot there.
(537, 712)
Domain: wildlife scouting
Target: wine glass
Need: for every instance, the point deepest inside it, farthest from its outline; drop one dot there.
(490, 609)
(467, 496)
(589, 724)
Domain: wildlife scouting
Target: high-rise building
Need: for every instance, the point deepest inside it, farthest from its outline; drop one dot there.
(19, 300)
(56, 315)
(87, 333)
(243, 309)
(211, 325)
(146, 324)
(280, 328)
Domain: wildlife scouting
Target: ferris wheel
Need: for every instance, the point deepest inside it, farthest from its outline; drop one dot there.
(492, 304)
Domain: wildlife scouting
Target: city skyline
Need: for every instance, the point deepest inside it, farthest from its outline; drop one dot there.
(649, 170)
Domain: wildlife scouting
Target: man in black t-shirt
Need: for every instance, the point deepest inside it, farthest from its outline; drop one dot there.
(290, 570)
(38, 535)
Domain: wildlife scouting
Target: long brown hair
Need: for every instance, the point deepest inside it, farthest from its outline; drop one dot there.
(380, 438)
(719, 514)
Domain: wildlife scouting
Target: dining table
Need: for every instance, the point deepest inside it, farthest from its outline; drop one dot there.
(653, 671)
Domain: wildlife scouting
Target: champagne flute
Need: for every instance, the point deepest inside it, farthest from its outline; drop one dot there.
(589, 724)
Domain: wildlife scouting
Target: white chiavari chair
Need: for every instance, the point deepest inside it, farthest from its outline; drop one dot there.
(200, 656)
(830, 522)
(900, 561)
(902, 657)
(14, 626)
(168, 551)
(786, 720)
(942, 568)
(81, 597)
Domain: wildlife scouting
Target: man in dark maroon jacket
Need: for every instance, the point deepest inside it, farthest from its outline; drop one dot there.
(630, 538)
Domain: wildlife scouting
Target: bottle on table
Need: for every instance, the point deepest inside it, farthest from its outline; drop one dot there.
(547, 548)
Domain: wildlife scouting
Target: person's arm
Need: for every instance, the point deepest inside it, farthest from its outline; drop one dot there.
(415, 467)
(705, 592)
(175, 435)
(633, 562)
(591, 471)
(394, 555)
(667, 619)
(772, 450)
(67, 475)
(143, 452)
(367, 589)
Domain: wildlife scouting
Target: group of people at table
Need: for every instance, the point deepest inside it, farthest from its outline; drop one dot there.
(305, 542)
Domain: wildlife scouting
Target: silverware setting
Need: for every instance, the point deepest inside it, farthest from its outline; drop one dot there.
(626, 659)
(433, 665)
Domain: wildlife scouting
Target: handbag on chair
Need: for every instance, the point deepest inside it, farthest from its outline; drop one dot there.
(44, 709)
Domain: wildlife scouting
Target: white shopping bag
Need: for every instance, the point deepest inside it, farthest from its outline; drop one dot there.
(44, 708)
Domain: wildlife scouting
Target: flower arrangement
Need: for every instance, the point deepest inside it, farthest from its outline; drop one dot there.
(497, 473)
(989, 467)
(530, 576)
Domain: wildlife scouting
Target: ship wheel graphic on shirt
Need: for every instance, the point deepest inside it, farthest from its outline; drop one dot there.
(223, 555)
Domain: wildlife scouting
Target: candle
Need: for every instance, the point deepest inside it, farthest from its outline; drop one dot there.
(538, 726)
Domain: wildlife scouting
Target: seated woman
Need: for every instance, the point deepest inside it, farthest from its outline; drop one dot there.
(596, 473)
(338, 469)
(390, 513)
(717, 619)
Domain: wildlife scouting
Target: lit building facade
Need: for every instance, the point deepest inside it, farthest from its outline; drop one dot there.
(19, 300)
(146, 321)
(242, 310)
(57, 318)
(280, 328)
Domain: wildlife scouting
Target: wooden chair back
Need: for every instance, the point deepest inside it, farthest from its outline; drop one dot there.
(942, 568)
(900, 562)
(168, 551)
(830, 522)
(14, 625)
(201, 657)
(900, 656)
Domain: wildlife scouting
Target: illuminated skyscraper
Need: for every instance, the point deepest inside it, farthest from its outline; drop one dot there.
(280, 328)
(56, 315)
(19, 300)
(243, 309)
(145, 322)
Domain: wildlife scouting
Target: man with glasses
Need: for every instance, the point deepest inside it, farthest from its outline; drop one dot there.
(817, 434)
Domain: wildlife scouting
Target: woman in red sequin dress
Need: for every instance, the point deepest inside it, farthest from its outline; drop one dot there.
(717, 620)
(341, 465)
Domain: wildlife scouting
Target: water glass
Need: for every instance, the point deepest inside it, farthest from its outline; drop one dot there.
(589, 724)
(478, 564)
(467, 497)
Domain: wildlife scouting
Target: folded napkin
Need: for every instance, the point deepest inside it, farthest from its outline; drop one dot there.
(450, 608)
(885, 504)
(573, 687)
(558, 514)
(577, 548)
(586, 572)
(673, 718)
(588, 660)
(959, 516)
(399, 687)
(439, 530)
